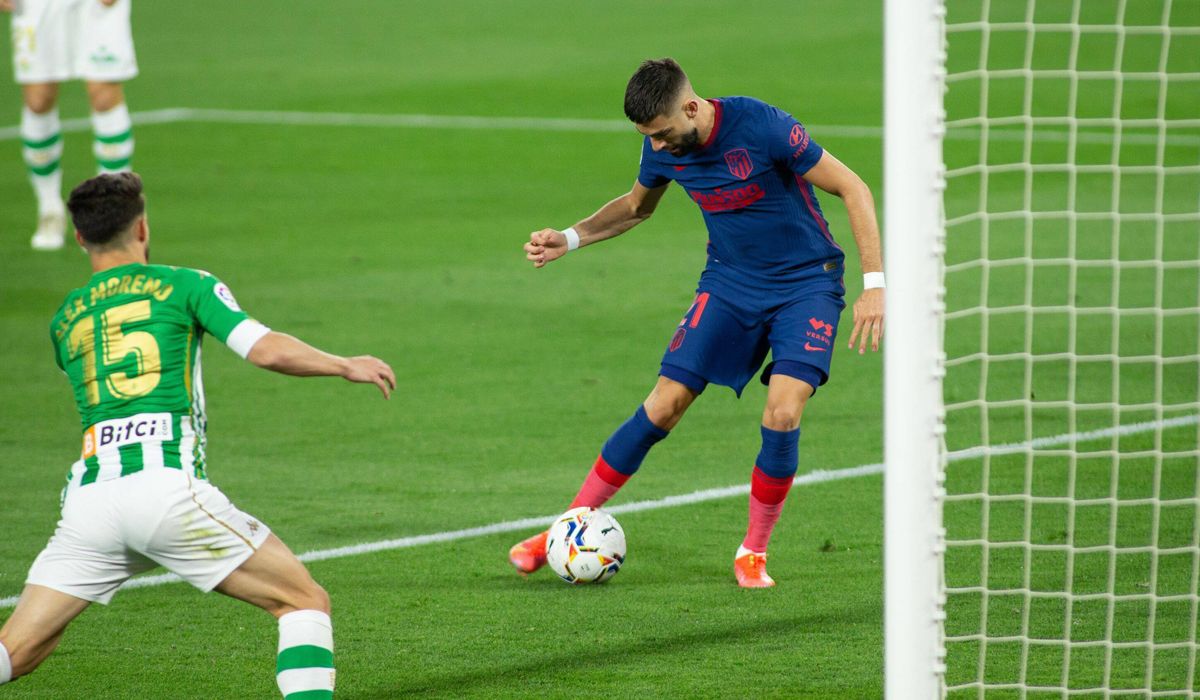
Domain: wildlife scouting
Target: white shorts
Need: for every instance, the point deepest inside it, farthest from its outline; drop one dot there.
(59, 40)
(111, 530)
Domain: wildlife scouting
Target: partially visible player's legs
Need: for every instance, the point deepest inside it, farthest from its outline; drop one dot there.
(42, 147)
(112, 127)
(34, 629)
(276, 581)
(619, 459)
(772, 476)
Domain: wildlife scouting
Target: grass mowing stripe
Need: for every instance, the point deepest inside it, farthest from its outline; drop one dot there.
(815, 477)
(459, 121)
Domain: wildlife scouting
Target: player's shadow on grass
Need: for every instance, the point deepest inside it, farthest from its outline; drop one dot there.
(533, 677)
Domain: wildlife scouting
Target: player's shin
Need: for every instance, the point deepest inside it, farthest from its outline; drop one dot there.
(304, 667)
(41, 138)
(619, 459)
(113, 140)
(769, 484)
(5, 665)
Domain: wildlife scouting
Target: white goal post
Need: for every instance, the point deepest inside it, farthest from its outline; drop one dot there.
(914, 72)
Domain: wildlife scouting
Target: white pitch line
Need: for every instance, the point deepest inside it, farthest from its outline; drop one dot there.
(395, 121)
(1039, 443)
(819, 476)
(482, 123)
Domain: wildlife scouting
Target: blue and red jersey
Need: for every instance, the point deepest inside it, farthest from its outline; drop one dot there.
(766, 229)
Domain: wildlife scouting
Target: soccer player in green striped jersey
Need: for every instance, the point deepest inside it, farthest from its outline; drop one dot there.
(129, 343)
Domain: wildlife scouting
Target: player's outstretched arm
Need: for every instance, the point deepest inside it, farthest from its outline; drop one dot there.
(831, 175)
(280, 352)
(609, 221)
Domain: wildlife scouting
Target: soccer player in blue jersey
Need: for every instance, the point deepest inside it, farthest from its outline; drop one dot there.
(773, 282)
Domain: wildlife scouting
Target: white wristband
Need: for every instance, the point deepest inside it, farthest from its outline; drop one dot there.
(873, 280)
(572, 238)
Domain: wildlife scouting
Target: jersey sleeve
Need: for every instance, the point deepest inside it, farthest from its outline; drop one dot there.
(789, 142)
(650, 173)
(216, 310)
(54, 344)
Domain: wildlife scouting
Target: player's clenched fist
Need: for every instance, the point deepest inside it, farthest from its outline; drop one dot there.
(545, 245)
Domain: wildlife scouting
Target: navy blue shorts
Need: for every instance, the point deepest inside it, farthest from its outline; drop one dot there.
(721, 341)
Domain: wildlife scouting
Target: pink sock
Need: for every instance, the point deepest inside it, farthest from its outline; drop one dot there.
(767, 494)
(601, 484)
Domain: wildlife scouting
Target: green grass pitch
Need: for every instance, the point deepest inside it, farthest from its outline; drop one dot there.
(405, 243)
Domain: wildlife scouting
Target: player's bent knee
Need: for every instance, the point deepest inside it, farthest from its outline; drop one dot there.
(664, 416)
(668, 402)
(782, 418)
(105, 96)
(40, 102)
(320, 599)
(310, 596)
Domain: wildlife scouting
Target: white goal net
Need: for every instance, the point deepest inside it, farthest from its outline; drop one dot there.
(1066, 277)
(1071, 389)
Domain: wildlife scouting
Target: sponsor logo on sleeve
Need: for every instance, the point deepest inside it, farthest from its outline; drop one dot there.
(226, 296)
(798, 140)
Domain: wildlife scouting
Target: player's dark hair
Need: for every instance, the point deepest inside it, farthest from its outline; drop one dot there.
(652, 90)
(106, 205)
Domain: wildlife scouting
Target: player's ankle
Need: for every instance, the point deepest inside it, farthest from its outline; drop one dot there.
(743, 550)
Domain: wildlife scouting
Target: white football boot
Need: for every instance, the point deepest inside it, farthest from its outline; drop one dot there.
(51, 231)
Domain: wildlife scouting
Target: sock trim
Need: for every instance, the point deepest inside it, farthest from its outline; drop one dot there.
(113, 165)
(309, 695)
(43, 143)
(44, 170)
(304, 656)
(610, 476)
(768, 490)
(117, 138)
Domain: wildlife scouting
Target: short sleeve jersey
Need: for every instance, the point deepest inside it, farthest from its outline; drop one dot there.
(129, 342)
(765, 225)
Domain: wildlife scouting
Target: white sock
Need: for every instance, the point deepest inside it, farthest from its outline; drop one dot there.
(305, 661)
(113, 139)
(5, 666)
(42, 147)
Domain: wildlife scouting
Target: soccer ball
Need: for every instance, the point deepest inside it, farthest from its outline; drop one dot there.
(585, 545)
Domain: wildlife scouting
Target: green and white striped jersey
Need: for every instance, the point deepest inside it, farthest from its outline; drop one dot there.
(129, 342)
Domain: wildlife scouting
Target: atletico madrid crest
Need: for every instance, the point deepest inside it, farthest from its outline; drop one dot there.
(739, 163)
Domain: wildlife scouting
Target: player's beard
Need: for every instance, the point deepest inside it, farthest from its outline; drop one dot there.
(690, 143)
